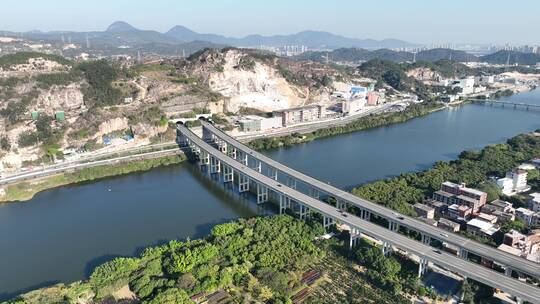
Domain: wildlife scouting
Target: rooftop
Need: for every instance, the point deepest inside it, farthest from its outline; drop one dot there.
(525, 211)
(448, 222)
(485, 227)
(509, 249)
(423, 207)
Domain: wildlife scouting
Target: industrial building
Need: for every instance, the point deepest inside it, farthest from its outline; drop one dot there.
(301, 114)
(253, 123)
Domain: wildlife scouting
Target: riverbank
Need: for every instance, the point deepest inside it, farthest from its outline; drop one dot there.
(26, 190)
(474, 168)
(364, 123)
(274, 268)
(252, 260)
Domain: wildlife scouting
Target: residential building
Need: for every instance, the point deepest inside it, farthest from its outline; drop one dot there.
(459, 213)
(448, 225)
(534, 202)
(452, 193)
(527, 246)
(501, 209)
(525, 215)
(444, 197)
(514, 182)
(301, 114)
(424, 211)
(441, 208)
(253, 123)
(487, 218)
(514, 238)
(481, 228)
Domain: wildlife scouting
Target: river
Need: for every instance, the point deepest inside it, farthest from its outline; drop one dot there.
(63, 233)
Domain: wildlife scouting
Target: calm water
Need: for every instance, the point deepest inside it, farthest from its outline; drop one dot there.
(61, 234)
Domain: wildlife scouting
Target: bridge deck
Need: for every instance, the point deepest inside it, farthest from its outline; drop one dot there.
(515, 262)
(450, 262)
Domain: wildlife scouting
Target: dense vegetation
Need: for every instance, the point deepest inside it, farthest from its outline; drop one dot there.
(472, 167)
(9, 60)
(259, 259)
(368, 122)
(100, 75)
(394, 75)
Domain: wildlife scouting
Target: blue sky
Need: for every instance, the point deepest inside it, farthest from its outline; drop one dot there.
(423, 21)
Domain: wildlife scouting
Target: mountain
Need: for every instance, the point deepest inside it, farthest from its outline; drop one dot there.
(357, 55)
(513, 57)
(441, 53)
(121, 26)
(122, 34)
(310, 39)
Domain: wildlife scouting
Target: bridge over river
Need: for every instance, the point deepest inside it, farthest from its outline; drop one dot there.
(246, 170)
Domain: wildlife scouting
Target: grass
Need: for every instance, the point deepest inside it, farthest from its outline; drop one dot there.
(26, 190)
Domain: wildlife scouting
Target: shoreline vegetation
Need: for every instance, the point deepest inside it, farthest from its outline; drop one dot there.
(26, 190)
(277, 259)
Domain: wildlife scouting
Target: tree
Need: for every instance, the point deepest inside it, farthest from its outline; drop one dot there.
(27, 139)
(171, 296)
(5, 144)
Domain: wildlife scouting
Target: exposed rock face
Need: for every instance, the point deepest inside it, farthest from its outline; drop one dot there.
(109, 126)
(61, 99)
(424, 74)
(259, 86)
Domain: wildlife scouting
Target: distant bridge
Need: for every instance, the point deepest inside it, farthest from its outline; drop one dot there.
(234, 163)
(515, 105)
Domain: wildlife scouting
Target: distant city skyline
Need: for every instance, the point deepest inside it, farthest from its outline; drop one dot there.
(417, 21)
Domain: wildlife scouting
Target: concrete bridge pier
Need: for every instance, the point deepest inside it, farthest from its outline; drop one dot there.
(303, 211)
(207, 135)
(426, 239)
(215, 165)
(464, 254)
(222, 146)
(243, 158)
(327, 222)
(393, 226)
(386, 248)
(365, 214)
(181, 140)
(422, 267)
(228, 174)
(231, 151)
(314, 193)
(258, 166)
(284, 203)
(341, 205)
(272, 173)
(262, 194)
(354, 237)
(507, 271)
(243, 183)
(291, 182)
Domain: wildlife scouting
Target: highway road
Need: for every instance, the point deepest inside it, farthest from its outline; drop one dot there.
(450, 262)
(516, 263)
(64, 167)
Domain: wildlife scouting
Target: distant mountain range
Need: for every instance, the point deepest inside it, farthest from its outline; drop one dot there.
(357, 55)
(121, 33)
